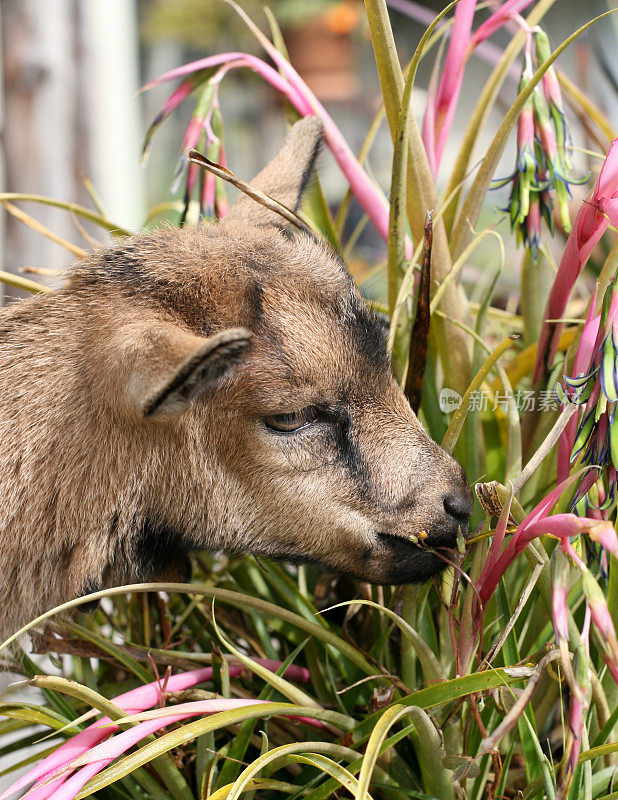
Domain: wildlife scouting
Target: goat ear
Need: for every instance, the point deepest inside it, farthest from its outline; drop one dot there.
(285, 178)
(189, 366)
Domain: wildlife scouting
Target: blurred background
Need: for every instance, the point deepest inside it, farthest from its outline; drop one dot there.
(71, 111)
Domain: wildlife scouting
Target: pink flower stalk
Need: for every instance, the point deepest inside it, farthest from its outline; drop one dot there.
(161, 718)
(534, 174)
(542, 166)
(595, 214)
(200, 128)
(599, 612)
(441, 107)
(193, 175)
(558, 608)
(606, 537)
(207, 103)
(133, 701)
(498, 538)
(483, 50)
(67, 786)
(109, 750)
(580, 701)
(533, 224)
(557, 170)
(172, 102)
(238, 58)
(581, 366)
(222, 206)
(208, 194)
(594, 505)
(560, 619)
(93, 760)
(289, 83)
(365, 191)
(559, 602)
(563, 527)
(507, 11)
(213, 200)
(525, 182)
(547, 203)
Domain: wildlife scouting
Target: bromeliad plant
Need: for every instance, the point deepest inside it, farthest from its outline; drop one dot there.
(500, 679)
(543, 160)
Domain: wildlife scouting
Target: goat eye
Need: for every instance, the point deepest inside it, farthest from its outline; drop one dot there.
(294, 421)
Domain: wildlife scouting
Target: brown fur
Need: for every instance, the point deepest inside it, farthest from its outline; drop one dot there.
(132, 407)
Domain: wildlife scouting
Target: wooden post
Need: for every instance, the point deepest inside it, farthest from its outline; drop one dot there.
(41, 63)
(70, 112)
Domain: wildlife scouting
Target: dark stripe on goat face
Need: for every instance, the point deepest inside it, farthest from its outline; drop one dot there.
(350, 456)
(254, 299)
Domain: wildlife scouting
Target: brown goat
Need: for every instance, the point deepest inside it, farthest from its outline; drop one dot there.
(222, 387)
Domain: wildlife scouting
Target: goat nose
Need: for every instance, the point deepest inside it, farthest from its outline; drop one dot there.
(459, 506)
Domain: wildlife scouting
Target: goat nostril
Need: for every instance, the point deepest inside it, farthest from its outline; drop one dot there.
(458, 506)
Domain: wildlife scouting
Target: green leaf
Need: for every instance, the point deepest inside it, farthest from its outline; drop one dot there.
(230, 769)
(432, 670)
(116, 651)
(23, 283)
(236, 599)
(72, 208)
(36, 715)
(527, 731)
(421, 196)
(187, 733)
(309, 748)
(459, 417)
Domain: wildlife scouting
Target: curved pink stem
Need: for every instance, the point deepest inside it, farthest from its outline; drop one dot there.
(594, 215)
(131, 702)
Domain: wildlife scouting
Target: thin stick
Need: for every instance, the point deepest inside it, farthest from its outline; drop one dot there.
(39, 228)
(489, 742)
(260, 197)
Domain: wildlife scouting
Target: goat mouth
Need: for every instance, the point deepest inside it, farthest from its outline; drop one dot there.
(405, 560)
(414, 538)
(419, 542)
